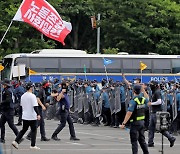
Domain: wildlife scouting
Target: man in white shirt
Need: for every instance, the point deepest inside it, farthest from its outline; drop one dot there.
(30, 115)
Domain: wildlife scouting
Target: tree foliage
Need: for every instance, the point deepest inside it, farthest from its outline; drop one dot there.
(135, 26)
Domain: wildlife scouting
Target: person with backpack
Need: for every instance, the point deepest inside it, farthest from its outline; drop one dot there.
(18, 92)
(7, 108)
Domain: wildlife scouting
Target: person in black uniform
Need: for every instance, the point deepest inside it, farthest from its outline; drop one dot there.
(64, 108)
(7, 108)
(136, 115)
(155, 107)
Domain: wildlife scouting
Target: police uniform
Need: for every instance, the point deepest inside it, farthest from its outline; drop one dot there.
(7, 110)
(137, 111)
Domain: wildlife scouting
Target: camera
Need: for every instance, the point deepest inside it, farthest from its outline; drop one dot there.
(162, 121)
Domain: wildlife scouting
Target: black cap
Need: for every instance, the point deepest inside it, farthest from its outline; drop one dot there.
(137, 89)
(6, 82)
(29, 85)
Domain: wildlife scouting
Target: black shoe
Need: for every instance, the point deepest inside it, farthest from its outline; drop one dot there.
(2, 141)
(18, 124)
(55, 138)
(74, 138)
(28, 137)
(150, 145)
(45, 139)
(172, 142)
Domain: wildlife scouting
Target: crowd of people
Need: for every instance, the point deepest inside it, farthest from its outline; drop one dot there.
(87, 102)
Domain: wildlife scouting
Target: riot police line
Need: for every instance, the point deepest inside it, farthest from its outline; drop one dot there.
(106, 102)
(96, 103)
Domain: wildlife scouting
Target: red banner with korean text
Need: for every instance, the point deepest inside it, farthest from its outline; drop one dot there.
(41, 15)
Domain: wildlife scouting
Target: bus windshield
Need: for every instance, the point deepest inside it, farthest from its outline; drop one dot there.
(7, 63)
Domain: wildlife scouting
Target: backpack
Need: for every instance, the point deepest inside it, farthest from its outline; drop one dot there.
(13, 98)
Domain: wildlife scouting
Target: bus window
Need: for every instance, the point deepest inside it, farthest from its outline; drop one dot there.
(20, 60)
(74, 65)
(69, 65)
(42, 63)
(175, 65)
(7, 63)
(133, 65)
(162, 66)
(85, 62)
(98, 66)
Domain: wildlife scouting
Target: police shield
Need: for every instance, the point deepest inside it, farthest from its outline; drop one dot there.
(164, 101)
(80, 102)
(93, 105)
(112, 102)
(99, 106)
(70, 95)
(174, 106)
(127, 98)
(117, 100)
(76, 96)
(85, 103)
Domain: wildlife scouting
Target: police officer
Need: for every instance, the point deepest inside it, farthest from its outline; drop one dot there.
(64, 108)
(7, 107)
(156, 105)
(136, 115)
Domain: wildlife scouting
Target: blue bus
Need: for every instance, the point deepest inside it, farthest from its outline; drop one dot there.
(68, 63)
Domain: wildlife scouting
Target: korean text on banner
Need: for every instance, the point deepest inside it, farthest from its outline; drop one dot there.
(41, 15)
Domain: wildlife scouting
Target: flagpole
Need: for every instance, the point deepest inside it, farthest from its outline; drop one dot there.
(85, 72)
(6, 31)
(106, 74)
(29, 74)
(85, 76)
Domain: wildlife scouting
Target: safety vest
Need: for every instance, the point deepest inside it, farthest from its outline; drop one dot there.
(139, 112)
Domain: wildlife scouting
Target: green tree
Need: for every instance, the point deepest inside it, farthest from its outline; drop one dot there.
(138, 26)
(21, 37)
(135, 26)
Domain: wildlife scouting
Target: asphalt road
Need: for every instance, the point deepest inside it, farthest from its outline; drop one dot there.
(94, 140)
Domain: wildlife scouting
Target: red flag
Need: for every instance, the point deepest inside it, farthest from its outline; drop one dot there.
(41, 15)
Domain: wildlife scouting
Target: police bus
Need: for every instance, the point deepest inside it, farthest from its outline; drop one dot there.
(68, 63)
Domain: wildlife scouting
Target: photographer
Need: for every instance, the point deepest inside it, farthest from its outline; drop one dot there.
(156, 106)
(64, 107)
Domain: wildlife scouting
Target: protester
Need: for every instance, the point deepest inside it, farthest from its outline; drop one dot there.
(64, 106)
(30, 115)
